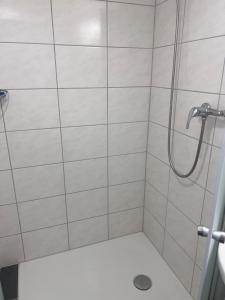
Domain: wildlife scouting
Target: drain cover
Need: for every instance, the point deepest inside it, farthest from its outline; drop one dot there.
(142, 282)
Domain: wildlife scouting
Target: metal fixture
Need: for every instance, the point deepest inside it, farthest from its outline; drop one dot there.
(203, 111)
(142, 282)
(3, 94)
(218, 236)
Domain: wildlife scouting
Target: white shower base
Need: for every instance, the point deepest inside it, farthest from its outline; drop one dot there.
(103, 271)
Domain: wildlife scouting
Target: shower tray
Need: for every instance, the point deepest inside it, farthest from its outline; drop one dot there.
(101, 271)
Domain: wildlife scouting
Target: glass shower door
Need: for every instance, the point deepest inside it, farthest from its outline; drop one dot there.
(211, 274)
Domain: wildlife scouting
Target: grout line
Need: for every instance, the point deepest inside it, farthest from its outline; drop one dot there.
(13, 180)
(77, 126)
(107, 117)
(187, 135)
(187, 90)
(116, 87)
(149, 108)
(75, 221)
(60, 122)
(78, 160)
(130, 3)
(72, 193)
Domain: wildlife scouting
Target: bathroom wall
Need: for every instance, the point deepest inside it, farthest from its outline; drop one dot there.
(74, 133)
(174, 207)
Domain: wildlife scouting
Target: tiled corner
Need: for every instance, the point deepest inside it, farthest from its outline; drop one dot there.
(46, 241)
(125, 222)
(88, 231)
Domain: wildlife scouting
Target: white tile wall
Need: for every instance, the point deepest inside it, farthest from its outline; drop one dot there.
(36, 147)
(184, 204)
(42, 213)
(81, 66)
(87, 204)
(130, 25)
(34, 66)
(129, 67)
(84, 142)
(73, 139)
(125, 222)
(88, 231)
(45, 241)
(128, 104)
(83, 106)
(80, 22)
(26, 21)
(6, 188)
(38, 182)
(32, 109)
(85, 174)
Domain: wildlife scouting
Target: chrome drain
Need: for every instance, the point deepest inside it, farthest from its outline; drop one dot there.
(142, 282)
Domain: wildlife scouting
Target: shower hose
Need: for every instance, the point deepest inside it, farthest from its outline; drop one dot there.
(170, 129)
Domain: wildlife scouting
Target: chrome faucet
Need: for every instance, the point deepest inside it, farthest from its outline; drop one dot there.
(203, 111)
(3, 93)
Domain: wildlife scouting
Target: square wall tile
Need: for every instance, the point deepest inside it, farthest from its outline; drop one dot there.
(129, 67)
(130, 25)
(208, 209)
(126, 168)
(176, 225)
(42, 213)
(200, 19)
(83, 107)
(81, 66)
(165, 23)
(4, 156)
(88, 231)
(158, 174)
(125, 222)
(32, 109)
(39, 182)
(139, 2)
(196, 282)
(27, 21)
(160, 97)
(86, 174)
(127, 138)
(86, 204)
(84, 142)
(11, 250)
(46, 241)
(157, 142)
(214, 169)
(80, 22)
(201, 65)
(179, 262)
(153, 230)
(184, 194)
(35, 67)
(35, 147)
(219, 137)
(9, 221)
(162, 67)
(6, 188)
(128, 104)
(156, 204)
(126, 196)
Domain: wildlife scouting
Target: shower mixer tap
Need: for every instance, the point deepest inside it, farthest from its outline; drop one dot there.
(203, 111)
(3, 93)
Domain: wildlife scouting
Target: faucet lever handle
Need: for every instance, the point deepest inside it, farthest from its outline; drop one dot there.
(194, 112)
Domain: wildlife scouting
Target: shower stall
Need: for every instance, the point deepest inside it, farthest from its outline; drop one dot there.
(112, 129)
